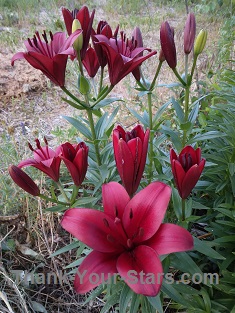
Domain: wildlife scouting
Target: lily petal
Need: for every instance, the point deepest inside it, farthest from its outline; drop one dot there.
(145, 211)
(94, 228)
(190, 180)
(142, 270)
(115, 199)
(96, 268)
(171, 238)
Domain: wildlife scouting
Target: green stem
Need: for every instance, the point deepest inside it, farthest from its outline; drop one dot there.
(104, 95)
(151, 136)
(74, 98)
(80, 63)
(156, 75)
(52, 200)
(74, 194)
(62, 191)
(183, 210)
(192, 70)
(94, 139)
(186, 113)
(101, 79)
(179, 77)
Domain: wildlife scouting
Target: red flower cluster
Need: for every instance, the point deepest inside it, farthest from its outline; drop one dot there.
(48, 161)
(122, 55)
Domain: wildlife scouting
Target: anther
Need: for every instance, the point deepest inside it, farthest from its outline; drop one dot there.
(106, 223)
(131, 214)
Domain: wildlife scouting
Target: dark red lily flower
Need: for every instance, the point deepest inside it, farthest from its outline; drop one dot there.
(45, 159)
(23, 180)
(130, 151)
(168, 44)
(75, 158)
(189, 33)
(91, 62)
(186, 169)
(103, 28)
(86, 21)
(49, 57)
(123, 56)
(128, 237)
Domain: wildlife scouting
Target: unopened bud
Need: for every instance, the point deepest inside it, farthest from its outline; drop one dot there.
(83, 85)
(200, 42)
(168, 44)
(78, 43)
(23, 180)
(189, 33)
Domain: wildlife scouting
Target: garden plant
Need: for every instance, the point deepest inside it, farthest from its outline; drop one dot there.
(149, 205)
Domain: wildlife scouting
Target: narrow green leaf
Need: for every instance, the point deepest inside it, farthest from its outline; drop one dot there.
(106, 102)
(125, 298)
(139, 117)
(74, 105)
(66, 248)
(156, 303)
(79, 126)
(172, 293)
(209, 135)
(160, 111)
(56, 208)
(202, 247)
(179, 111)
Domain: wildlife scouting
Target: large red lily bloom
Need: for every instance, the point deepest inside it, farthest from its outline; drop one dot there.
(123, 56)
(130, 151)
(168, 44)
(127, 238)
(49, 57)
(45, 159)
(86, 21)
(186, 169)
(75, 158)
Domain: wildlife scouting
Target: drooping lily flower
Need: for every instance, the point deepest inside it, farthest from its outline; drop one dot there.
(49, 57)
(75, 158)
(123, 56)
(23, 180)
(91, 62)
(45, 159)
(127, 238)
(86, 21)
(189, 33)
(104, 29)
(130, 151)
(168, 44)
(186, 169)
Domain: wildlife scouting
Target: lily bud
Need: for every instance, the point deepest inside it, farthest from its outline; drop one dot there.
(23, 180)
(168, 44)
(186, 168)
(83, 85)
(189, 33)
(78, 43)
(200, 42)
